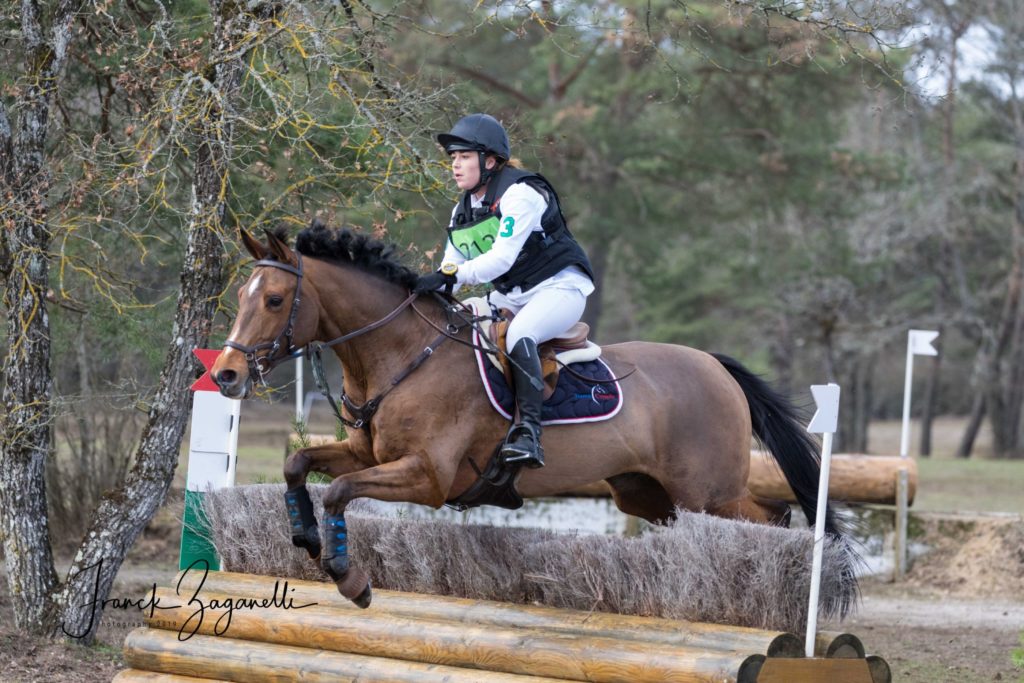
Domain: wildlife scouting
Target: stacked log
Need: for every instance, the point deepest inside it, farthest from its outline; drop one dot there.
(869, 479)
(236, 627)
(852, 478)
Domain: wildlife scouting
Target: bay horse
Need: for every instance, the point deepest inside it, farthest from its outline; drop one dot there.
(682, 439)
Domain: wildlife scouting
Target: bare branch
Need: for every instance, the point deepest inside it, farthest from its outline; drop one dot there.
(492, 82)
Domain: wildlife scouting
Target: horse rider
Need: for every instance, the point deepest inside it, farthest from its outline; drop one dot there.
(508, 229)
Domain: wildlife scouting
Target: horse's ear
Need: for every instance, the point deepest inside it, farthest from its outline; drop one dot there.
(257, 250)
(279, 248)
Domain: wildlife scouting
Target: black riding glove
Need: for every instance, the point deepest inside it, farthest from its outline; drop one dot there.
(433, 281)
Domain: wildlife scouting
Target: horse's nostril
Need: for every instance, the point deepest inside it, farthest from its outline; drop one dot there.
(226, 377)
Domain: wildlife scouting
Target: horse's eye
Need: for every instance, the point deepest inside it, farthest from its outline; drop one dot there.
(274, 301)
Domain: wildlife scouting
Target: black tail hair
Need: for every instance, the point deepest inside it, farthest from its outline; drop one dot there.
(778, 426)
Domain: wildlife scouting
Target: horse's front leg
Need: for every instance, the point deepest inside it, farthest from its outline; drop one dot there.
(333, 459)
(411, 479)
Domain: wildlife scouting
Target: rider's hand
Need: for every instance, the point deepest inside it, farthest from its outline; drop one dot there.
(433, 281)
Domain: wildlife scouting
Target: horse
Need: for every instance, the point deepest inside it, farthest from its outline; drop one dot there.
(420, 423)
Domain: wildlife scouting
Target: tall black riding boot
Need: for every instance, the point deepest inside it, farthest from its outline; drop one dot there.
(522, 445)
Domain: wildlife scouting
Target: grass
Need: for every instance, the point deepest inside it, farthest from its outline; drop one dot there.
(949, 484)
(970, 486)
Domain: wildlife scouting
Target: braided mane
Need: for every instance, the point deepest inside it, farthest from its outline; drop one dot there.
(360, 250)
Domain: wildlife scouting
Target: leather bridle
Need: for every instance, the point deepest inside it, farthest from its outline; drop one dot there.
(260, 365)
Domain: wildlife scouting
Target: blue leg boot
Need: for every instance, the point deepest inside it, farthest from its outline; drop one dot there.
(352, 582)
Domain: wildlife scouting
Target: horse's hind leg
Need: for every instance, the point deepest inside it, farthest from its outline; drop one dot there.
(755, 509)
(333, 459)
(641, 496)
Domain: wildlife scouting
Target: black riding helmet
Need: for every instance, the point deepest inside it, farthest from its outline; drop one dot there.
(478, 133)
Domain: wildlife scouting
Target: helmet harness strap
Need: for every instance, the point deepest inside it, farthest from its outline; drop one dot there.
(485, 173)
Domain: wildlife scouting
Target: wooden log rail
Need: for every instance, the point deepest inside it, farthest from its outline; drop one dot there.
(411, 637)
(853, 478)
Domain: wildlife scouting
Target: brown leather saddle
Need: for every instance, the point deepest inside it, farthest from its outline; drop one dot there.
(575, 338)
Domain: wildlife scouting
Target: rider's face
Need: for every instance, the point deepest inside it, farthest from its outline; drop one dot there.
(466, 168)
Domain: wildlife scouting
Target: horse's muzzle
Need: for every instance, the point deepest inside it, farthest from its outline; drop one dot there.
(233, 384)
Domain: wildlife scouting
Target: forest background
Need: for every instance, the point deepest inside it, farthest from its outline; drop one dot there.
(794, 184)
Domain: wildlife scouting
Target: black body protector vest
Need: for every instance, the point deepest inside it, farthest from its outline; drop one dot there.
(545, 253)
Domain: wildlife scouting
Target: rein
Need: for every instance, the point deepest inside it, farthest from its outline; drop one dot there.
(261, 365)
(452, 308)
(373, 326)
(365, 412)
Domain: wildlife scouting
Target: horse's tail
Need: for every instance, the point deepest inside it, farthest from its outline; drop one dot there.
(776, 424)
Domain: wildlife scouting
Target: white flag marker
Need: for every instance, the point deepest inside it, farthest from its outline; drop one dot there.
(919, 343)
(824, 422)
(826, 418)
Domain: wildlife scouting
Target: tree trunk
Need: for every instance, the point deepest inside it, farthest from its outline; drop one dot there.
(949, 184)
(781, 352)
(987, 378)
(1015, 375)
(973, 426)
(27, 392)
(25, 429)
(855, 375)
(1004, 363)
(1012, 383)
(123, 514)
(862, 400)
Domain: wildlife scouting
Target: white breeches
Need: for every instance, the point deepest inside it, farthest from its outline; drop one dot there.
(547, 314)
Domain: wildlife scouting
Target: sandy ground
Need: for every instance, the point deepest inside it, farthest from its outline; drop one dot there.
(940, 639)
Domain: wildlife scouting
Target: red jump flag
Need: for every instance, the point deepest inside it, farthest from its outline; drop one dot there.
(207, 357)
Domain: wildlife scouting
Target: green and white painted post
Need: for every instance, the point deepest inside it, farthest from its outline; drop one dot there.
(212, 456)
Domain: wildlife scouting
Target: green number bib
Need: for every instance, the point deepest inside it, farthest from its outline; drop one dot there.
(476, 239)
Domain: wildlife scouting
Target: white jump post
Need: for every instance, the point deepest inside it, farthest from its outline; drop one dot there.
(824, 422)
(212, 457)
(919, 343)
(299, 391)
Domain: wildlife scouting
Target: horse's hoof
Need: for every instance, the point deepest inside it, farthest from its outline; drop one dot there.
(355, 585)
(363, 599)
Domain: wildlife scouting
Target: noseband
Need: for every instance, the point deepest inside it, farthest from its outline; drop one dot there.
(259, 366)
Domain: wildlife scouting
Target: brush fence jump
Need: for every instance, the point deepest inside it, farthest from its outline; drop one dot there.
(871, 479)
(424, 638)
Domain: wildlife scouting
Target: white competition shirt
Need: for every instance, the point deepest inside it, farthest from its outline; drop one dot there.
(525, 207)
